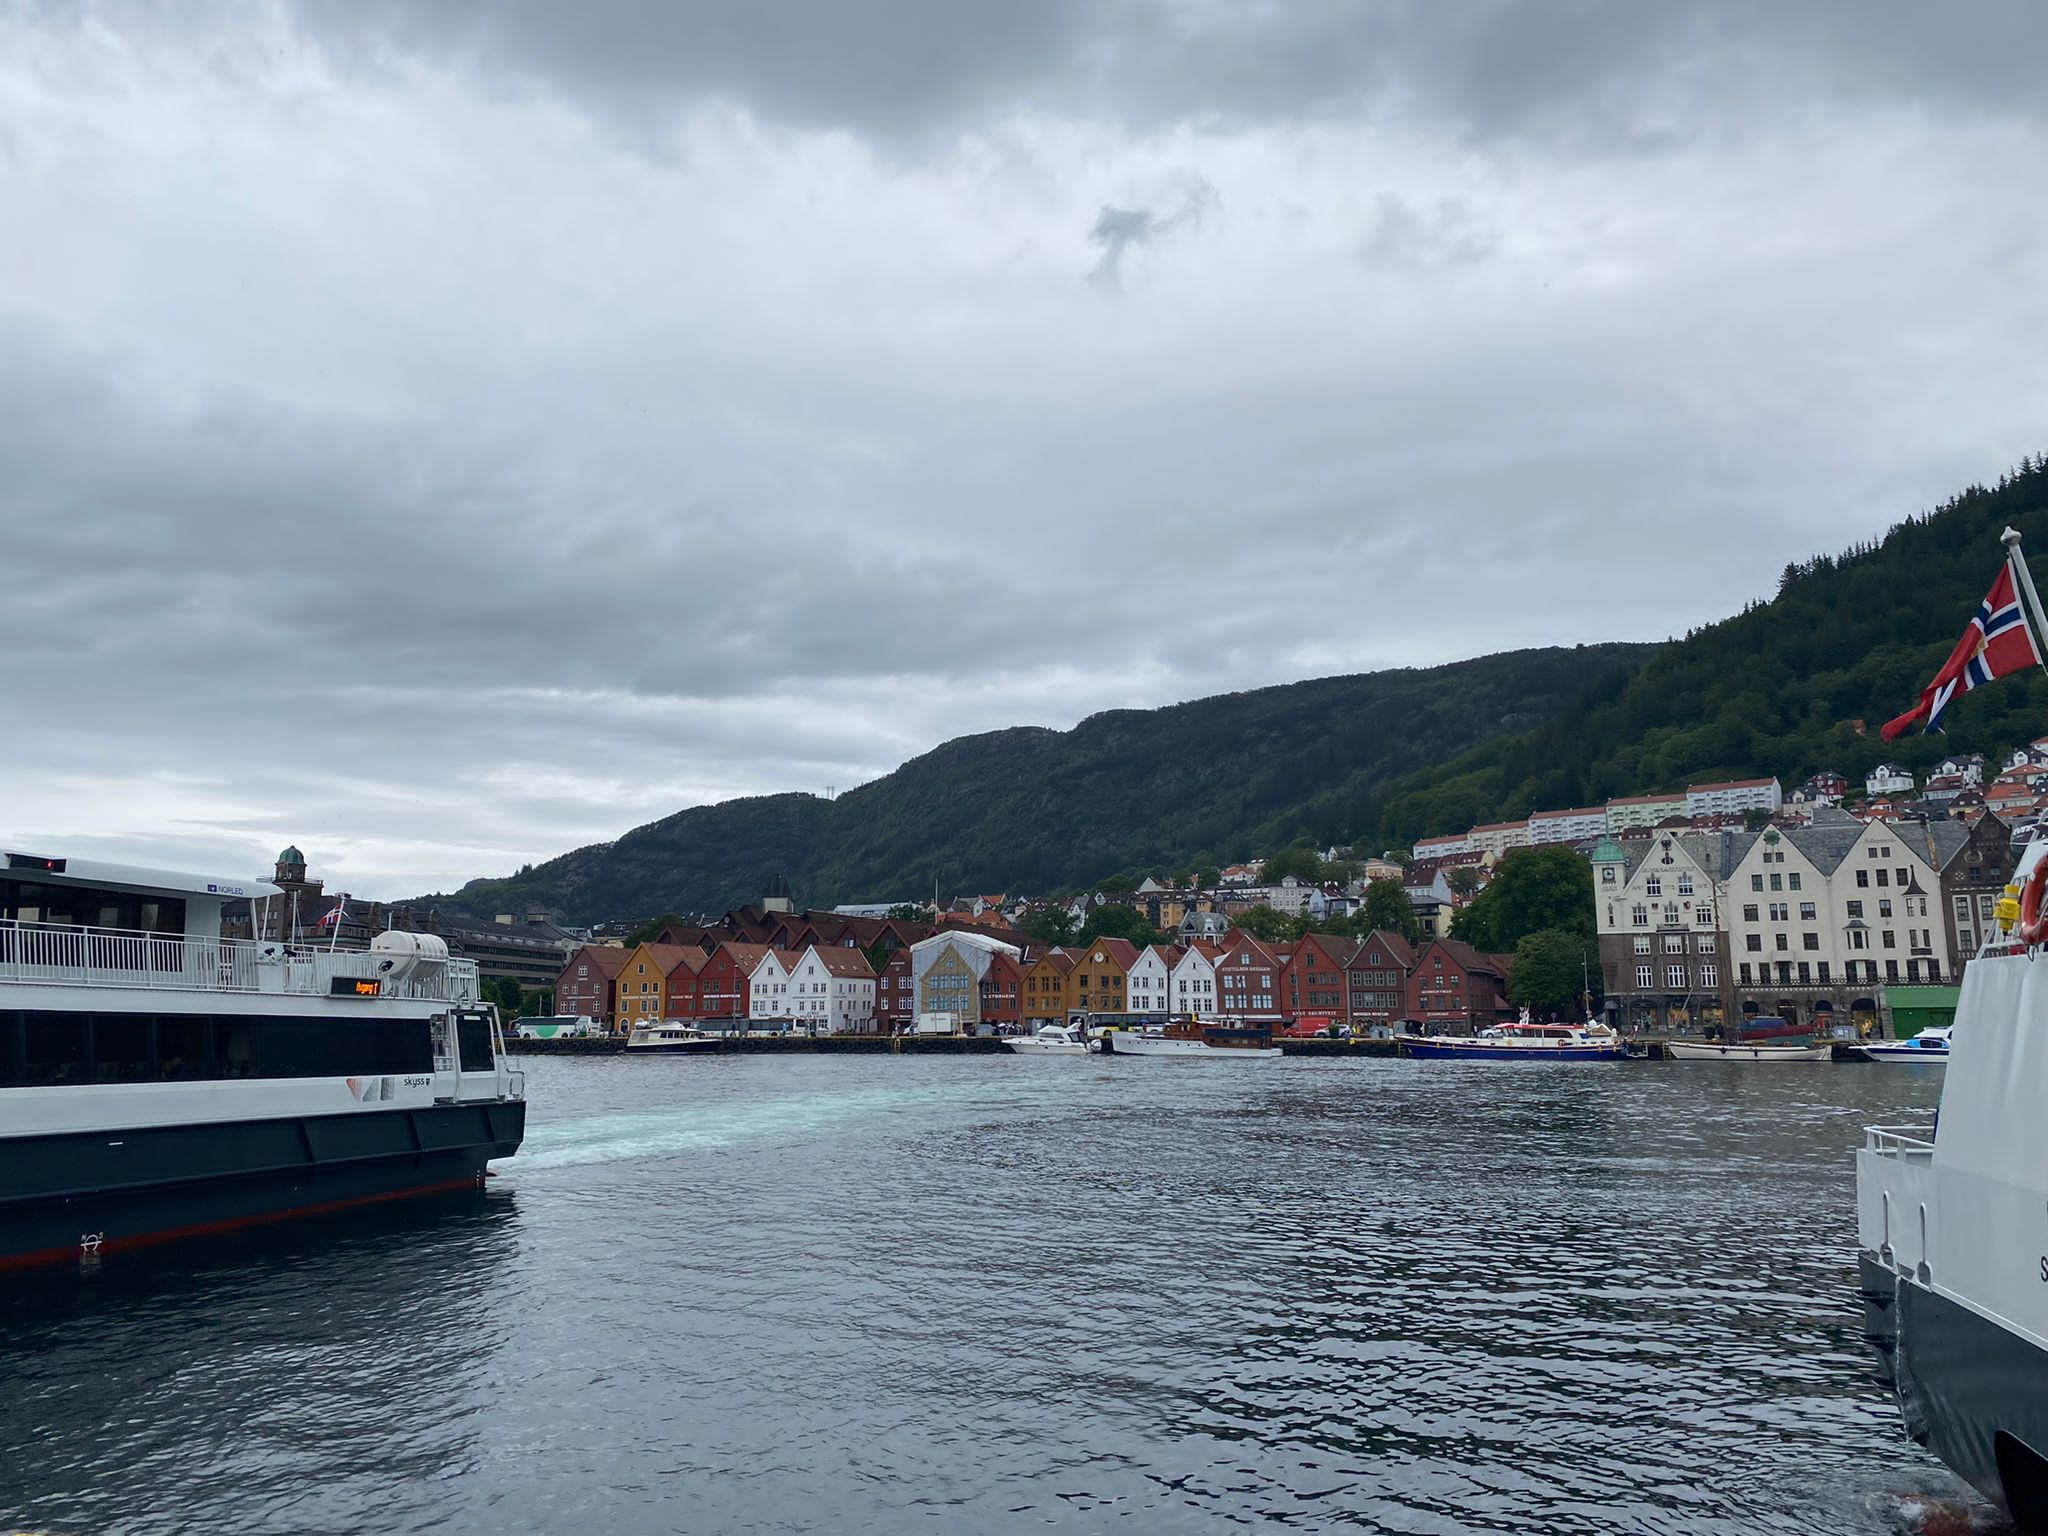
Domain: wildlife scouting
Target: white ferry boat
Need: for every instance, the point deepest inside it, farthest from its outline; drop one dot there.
(1954, 1260)
(159, 1081)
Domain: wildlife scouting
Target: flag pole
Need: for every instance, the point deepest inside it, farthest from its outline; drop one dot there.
(2024, 580)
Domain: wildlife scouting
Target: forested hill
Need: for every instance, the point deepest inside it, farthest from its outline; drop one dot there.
(1789, 687)
(1035, 810)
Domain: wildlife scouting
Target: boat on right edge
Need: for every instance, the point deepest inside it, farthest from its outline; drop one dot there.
(1929, 1048)
(1952, 1215)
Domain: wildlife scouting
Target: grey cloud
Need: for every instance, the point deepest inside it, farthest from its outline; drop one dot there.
(1592, 69)
(1404, 238)
(1118, 230)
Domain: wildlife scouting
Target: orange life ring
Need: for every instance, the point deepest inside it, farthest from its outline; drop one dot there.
(2033, 922)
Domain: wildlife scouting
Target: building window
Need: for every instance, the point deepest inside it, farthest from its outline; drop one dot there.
(1810, 942)
(1674, 977)
(1646, 977)
(1884, 907)
(1642, 943)
(1653, 886)
(1862, 877)
(1966, 939)
(1823, 973)
(1705, 944)
(1674, 944)
(1891, 940)
(1756, 882)
(1744, 973)
(1884, 877)
(1640, 915)
(1854, 908)
(1685, 885)
(1670, 914)
(1792, 881)
(1778, 912)
(1777, 882)
(1753, 942)
(1710, 976)
(1749, 912)
(1780, 942)
(1806, 912)
(1805, 973)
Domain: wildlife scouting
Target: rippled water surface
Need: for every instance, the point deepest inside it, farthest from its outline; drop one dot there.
(994, 1294)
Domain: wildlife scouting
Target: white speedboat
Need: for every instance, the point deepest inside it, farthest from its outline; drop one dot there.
(1196, 1041)
(1745, 1050)
(1929, 1048)
(668, 1038)
(1050, 1040)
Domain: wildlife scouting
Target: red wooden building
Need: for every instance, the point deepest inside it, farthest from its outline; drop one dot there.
(1454, 989)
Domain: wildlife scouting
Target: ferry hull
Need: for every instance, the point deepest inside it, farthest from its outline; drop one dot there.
(1970, 1391)
(67, 1197)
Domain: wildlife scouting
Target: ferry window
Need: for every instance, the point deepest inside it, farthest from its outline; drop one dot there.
(120, 1048)
(183, 1046)
(473, 1038)
(11, 1071)
(236, 1041)
(53, 1048)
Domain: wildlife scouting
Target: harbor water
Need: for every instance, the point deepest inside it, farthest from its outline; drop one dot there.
(745, 1294)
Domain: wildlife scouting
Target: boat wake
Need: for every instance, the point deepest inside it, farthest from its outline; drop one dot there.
(679, 1128)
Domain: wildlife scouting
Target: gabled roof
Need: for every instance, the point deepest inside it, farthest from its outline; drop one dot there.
(1057, 959)
(1121, 953)
(839, 961)
(1394, 944)
(668, 956)
(1335, 946)
(608, 958)
(744, 956)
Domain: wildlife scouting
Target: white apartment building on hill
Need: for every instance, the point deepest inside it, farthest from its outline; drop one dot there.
(1583, 824)
(1736, 797)
(1627, 811)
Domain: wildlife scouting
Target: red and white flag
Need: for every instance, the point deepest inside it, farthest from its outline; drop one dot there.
(1999, 641)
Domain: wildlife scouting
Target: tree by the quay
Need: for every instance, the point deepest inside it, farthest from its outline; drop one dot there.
(1386, 905)
(1531, 890)
(1109, 921)
(1267, 924)
(1552, 967)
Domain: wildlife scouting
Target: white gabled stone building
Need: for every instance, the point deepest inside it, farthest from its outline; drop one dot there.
(1148, 987)
(1662, 938)
(769, 994)
(1194, 982)
(1821, 917)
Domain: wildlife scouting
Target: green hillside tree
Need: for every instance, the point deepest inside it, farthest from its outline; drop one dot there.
(1532, 889)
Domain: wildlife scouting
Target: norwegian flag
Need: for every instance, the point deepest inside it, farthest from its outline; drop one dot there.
(333, 917)
(1998, 642)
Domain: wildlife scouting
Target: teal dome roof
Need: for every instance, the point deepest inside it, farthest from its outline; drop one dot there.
(1609, 852)
(291, 855)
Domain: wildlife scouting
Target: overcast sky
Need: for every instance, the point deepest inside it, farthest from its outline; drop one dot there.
(444, 434)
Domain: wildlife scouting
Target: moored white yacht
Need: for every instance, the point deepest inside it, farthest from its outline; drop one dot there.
(1929, 1048)
(1190, 1040)
(1049, 1040)
(669, 1038)
(158, 1080)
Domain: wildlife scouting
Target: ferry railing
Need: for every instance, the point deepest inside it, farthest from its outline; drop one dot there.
(1910, 1143)
(50, 954)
